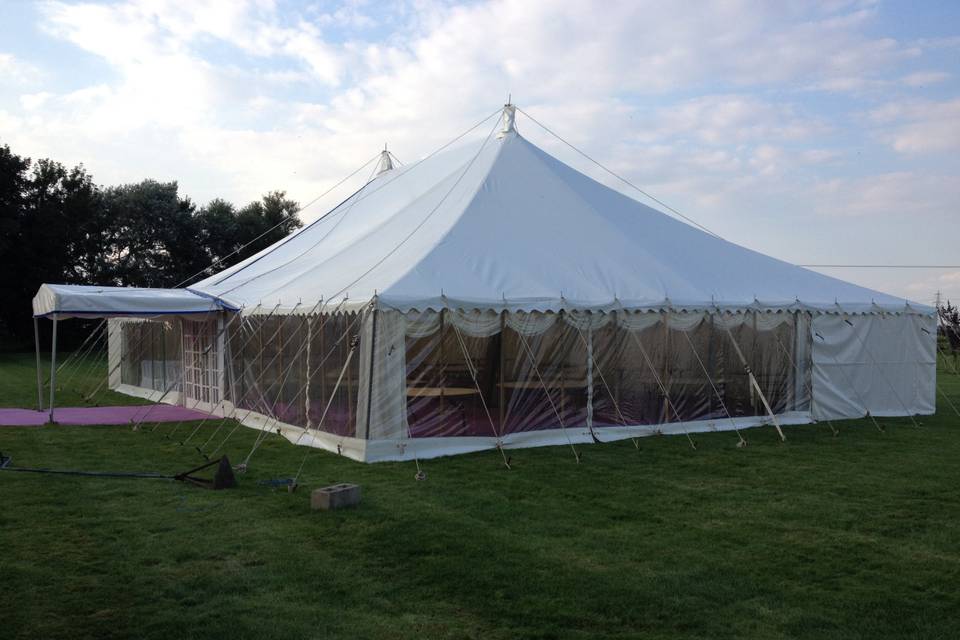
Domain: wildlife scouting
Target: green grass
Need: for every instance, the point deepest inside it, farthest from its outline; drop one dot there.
(81, 377)
(850, 537)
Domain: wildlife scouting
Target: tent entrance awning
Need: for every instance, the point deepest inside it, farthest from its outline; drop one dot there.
(61, 301)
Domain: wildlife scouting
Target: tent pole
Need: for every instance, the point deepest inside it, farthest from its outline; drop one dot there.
(476, 384)
(53, 367)
(373, 344)
(443, 366)
(36, 344)
(660, 385)
(503, 380)
(306, 372)
(755, 385)
(603, 381)
(543, 385)
(742, 442)
(666, 367)
(589, 377)
(799, 376)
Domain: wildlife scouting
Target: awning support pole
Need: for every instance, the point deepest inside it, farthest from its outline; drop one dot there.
(36, 344)
(53, 367)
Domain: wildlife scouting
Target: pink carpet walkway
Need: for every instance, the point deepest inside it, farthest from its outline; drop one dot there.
(99, 415)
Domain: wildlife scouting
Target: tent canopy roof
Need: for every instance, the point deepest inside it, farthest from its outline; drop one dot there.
(507, 226)
(71, 300)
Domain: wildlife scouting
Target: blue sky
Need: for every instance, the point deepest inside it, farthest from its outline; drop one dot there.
(816, 132)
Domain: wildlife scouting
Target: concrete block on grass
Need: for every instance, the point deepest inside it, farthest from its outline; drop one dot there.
(337, 496)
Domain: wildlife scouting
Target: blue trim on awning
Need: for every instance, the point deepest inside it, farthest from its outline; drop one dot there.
(128, 313)
(208, 296)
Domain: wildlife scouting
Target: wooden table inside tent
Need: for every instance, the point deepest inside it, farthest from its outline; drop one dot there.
(439, 392)
(550, 384)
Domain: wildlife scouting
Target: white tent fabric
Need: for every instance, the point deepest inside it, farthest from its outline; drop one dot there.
(880, 363)
(70, 300)
(492, 296)
(507, 226)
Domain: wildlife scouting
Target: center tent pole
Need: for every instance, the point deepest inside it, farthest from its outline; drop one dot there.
(53, 367)
(36, 344)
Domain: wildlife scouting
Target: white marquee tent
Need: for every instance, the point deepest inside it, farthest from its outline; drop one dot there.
(494, 297)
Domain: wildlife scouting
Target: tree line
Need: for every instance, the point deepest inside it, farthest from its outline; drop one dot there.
(57, 225)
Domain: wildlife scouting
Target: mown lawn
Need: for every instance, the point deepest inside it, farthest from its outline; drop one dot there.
(856, 536)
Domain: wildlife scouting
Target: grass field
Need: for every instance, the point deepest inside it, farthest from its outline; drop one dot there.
(856, 536)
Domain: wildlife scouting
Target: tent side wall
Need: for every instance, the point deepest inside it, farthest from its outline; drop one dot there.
(385, 385)
(299, 375)
(452, 381)
(144, 358)
(883, 364)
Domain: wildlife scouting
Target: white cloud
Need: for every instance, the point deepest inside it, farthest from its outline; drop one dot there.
(903, 194)
(712, 107)
(925, 288)
(315, 95)
(17, 71)
(735, 119)
(31, 101)
(925, 78)
(818, 156)
(920, 126)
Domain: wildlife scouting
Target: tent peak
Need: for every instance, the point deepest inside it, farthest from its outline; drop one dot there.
(385, 163)
(509, 118)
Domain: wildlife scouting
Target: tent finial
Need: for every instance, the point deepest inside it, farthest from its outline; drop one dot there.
(386, 162)
(509, 121)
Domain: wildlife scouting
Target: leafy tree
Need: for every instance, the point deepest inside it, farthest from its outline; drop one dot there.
(57, 225)
(42, 207)
(267, 221)
(949, 327)
(13, 186)
(151, 237)
(230, 236)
